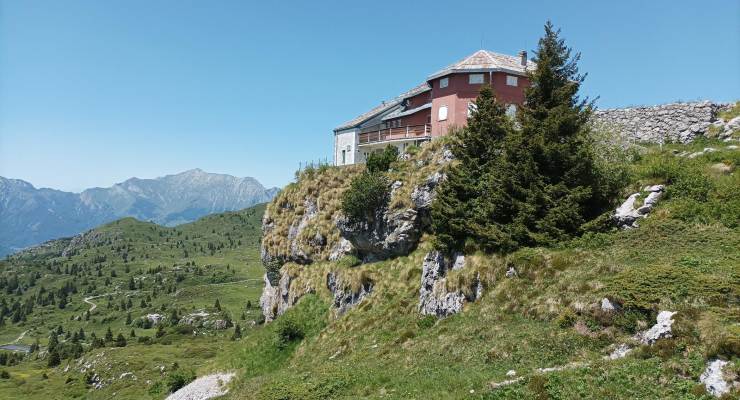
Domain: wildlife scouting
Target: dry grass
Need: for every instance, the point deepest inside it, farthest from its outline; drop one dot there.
(325, 187)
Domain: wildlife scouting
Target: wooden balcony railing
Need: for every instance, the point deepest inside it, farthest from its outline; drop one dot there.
(378, 134)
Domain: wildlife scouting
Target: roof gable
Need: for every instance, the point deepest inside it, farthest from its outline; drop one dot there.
(485, 60)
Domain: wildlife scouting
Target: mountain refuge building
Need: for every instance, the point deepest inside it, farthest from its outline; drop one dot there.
(429, 110)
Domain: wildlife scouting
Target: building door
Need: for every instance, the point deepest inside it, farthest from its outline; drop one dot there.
(344, 157)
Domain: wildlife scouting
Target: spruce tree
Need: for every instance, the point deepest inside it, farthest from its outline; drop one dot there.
(476, 148)
(535, 182)
(547, 184)
(54, 358)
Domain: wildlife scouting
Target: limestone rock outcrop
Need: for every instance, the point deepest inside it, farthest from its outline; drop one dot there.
(713, 378)
(344, 297)
(661, 329)
(627, 214)
(392, 232)
(434, 297)
(275, 300)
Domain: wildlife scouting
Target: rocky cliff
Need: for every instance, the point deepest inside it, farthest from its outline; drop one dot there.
(304, 225)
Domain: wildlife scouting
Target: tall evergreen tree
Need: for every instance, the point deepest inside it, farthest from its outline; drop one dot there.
(476, 148)
(547, 184)
(531, 184)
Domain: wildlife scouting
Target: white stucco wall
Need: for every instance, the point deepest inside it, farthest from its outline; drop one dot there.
(347, 141)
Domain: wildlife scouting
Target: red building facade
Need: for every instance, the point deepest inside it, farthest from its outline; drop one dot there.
(434, 107)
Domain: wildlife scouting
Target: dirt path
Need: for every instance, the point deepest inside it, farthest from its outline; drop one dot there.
(93, 306)
(203, 388)
(20, 337)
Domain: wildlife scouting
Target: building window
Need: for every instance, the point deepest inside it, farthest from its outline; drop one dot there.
(474, 79)
(472, 107)
(442, 113)
(512, 80)
(444, 82)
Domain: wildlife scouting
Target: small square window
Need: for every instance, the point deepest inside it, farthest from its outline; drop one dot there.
(512, 80)
(442, 113)
(444, 82)
(474, 79)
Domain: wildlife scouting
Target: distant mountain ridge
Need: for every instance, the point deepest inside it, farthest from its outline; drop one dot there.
(30, 215)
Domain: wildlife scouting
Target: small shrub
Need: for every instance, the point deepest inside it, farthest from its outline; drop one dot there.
(566, 318)
(287, 332)
(177, 380)
(366, 194)
(348, 262)
(381, 162)
(4, 374)
(426, 322)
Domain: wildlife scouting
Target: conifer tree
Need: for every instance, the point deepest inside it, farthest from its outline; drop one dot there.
(54, 358)
(108, 335)
(237, 332)
(535, 182)
(476, 148)
(547, 184)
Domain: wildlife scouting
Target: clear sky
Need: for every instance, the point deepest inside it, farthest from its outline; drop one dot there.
(94, 92)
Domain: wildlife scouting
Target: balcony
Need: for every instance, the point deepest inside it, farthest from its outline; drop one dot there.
(377, 133)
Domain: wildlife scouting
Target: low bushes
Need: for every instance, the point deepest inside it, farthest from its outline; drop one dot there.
(367, 193)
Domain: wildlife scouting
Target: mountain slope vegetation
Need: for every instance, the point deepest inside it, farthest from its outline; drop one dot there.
(110, 279)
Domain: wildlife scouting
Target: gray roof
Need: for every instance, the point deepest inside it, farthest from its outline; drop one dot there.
(485, 60)
(383, 107)
(401, 113)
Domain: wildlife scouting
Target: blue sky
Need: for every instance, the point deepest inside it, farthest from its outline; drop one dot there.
(94, 92)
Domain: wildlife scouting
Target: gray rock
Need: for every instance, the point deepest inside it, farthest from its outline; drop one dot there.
(676, 122)
(275, 300)
(344, 297)
(154, 318)
(341, 249)
(620, 351)
(626, 215)
(733, 124)
(389, 234)
(662, 329)
(608, 306)
(713, 380)
(423, 195)
(434, 299)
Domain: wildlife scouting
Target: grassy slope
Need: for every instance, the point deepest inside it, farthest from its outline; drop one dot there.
(231, 273)
(684, 257)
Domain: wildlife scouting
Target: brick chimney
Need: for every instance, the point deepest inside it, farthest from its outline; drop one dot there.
(523, 57)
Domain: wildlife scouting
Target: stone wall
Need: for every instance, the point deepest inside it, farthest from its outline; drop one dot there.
(674, 122)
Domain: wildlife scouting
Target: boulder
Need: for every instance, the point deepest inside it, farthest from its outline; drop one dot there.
(626, 215)
(608, 306)
(620, 351)
(713, 379)
(662, 329)
(155, 318)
